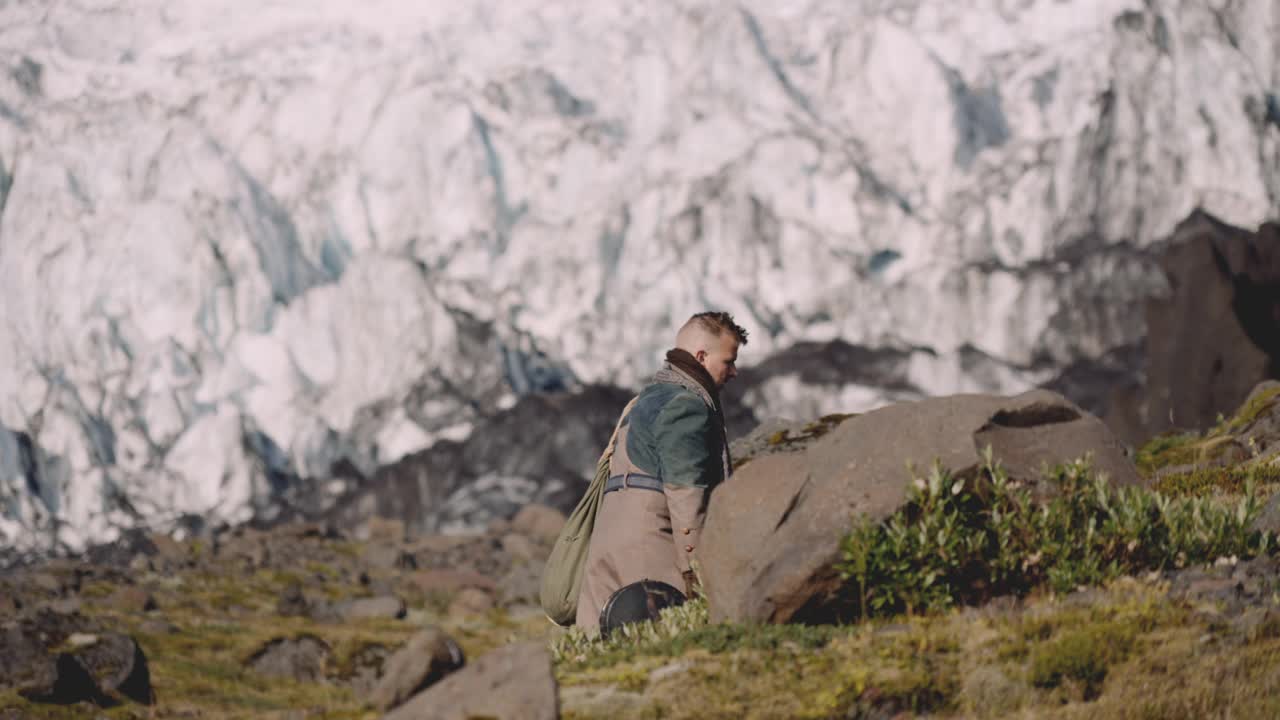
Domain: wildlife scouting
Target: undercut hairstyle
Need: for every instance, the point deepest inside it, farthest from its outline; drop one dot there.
(718, 323)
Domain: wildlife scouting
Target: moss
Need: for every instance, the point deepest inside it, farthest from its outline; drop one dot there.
(1083, 655)
(1226, 479)
(1166, 450)
(1247, 413)
(778, 438)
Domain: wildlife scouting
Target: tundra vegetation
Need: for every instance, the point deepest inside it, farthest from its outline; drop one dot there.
(981, 597)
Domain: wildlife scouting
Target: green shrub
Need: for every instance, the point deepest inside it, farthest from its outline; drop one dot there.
(966, 539)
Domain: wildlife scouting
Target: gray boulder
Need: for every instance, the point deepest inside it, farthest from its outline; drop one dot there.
(424, 660)
(773, 531)
(304, 658)
(383, 607)
(512, 682)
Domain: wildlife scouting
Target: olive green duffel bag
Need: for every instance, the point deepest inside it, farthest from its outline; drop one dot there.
(562, 578)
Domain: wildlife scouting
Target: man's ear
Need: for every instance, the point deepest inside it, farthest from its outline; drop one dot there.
(701, 356)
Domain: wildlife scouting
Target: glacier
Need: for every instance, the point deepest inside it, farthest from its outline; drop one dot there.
(244, 242)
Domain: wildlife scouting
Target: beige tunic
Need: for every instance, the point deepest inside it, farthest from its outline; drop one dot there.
(636, 539)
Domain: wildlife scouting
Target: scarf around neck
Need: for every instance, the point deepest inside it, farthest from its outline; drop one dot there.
(683, 369)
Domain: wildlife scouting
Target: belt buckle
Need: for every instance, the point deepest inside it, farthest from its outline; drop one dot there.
(626, 480)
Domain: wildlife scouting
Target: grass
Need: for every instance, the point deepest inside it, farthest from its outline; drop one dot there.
(221, 619)
(1130, 652)
(1222, 480)
(1128, 647)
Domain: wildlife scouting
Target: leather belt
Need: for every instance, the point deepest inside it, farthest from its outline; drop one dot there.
(644, 482)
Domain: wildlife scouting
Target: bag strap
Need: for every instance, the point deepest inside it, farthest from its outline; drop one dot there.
(613, 439)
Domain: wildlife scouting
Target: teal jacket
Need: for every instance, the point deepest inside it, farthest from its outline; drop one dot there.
(675, 436)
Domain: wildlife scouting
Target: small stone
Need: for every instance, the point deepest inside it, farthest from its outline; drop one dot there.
(519, 546)
(386, 606)
(521, 583)
(141, 564)
(46, 582)
(470, 601)
(386, 530)
(293, 602)
(670, 670)
(66, 606)
(1269, 519)
(77, 640)
(449, 581)
(133, 600)
(539, 522)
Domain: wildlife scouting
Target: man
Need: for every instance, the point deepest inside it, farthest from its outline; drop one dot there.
(671, 450)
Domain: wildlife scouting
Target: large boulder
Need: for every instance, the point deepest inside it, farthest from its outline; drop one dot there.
(515, 681)
(773, 531)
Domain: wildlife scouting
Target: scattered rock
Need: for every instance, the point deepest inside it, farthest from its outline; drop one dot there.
(425, 659)
(70, 683)
(519, 547)
(293, 602)
(449, 581)
(24, 663)
(381, 556)
(46, 583)
(1269, 519)
(66, 606)
(132, 599)
(118, 665)
(522, 583)
(604, 701)
(386, 606)
(363, 668)
(539, 522)
(303, 658)
(773, 531)
(515, 681)
(386, 531)
(158, 626)
(165, 553)
(471, 601)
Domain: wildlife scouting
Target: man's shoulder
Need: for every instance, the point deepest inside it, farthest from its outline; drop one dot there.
(661, 393)
(658, 396)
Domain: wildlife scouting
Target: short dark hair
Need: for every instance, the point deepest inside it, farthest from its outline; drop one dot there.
(718, 323)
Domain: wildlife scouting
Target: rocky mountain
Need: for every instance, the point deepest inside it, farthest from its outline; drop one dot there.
(250, 252)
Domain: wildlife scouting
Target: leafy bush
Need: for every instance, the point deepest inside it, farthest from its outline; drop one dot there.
(964, 539)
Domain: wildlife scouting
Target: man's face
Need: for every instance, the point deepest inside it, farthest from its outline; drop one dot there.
(721, 359)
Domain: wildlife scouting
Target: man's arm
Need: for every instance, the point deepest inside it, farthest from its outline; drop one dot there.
(685, 433)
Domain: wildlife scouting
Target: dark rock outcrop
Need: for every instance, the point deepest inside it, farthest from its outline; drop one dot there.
(1213, 337)
(539, 450)
(773, 530)
(515, 681)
